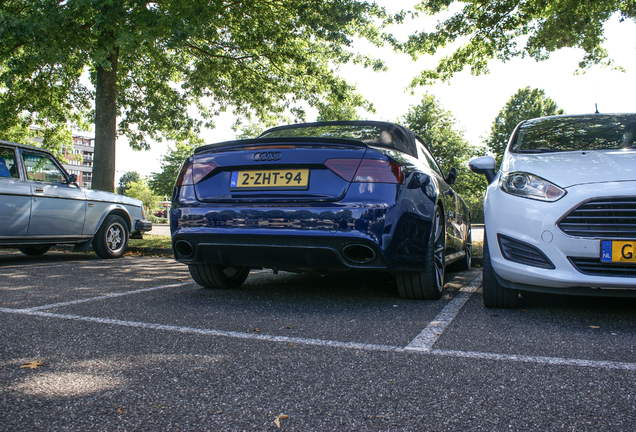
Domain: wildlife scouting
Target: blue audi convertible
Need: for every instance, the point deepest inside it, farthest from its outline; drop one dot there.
(320, 197)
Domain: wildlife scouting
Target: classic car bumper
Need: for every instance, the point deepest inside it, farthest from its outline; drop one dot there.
(143, 225)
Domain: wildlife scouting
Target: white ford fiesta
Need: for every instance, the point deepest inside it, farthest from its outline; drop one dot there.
(560, 214)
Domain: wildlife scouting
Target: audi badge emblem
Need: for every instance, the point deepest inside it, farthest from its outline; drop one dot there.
(267, 156)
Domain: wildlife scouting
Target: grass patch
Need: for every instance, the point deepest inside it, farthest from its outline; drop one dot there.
(478, 249)
(152, 241)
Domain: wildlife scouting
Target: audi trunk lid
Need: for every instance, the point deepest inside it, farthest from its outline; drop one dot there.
(275, 170)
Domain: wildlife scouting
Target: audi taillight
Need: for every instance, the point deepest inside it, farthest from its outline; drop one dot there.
(345, 168)
(367, 170)
(202, 170)
(193, 173)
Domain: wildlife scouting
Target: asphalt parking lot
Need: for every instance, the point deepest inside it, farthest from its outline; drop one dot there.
(133, 345)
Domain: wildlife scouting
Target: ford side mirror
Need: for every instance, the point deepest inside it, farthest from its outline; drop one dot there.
(484, 165)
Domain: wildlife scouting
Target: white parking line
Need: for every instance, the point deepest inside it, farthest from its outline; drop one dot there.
(207, 332)
(422, 344)
(102, 297)
(427, 337)
(553, 361)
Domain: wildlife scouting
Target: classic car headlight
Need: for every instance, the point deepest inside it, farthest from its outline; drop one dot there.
(530, 186)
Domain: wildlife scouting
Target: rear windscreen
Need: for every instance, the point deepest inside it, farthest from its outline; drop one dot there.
(580, 133)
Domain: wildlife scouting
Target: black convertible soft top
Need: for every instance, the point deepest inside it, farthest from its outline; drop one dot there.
(377, 133)
(373, 133)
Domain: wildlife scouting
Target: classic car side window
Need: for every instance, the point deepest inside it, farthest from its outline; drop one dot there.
(426, 158)
(40, 167)
(7, 163)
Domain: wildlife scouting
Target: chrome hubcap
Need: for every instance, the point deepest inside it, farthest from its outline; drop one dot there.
(115, 237)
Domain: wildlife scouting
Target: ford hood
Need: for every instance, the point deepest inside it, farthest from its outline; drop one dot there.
(567, 169)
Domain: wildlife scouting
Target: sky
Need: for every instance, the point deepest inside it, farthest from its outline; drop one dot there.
(474, 101)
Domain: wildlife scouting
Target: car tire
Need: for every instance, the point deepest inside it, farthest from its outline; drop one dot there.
(111, 240)
(495, 294)
(34, 250)
(216, 276)
(428, 284)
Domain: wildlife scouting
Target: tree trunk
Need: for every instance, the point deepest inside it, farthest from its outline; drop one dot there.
(105, 125)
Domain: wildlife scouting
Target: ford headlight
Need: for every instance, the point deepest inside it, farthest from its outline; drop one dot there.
(530, 186)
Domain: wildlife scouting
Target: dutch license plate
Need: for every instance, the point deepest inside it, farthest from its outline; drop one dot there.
(271, 179)
(614, 251)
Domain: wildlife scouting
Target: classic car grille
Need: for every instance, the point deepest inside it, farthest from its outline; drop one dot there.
(613, 218)
(594, 267)
(523, 253)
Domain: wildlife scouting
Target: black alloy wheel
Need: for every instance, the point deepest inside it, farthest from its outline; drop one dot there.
(429, 283)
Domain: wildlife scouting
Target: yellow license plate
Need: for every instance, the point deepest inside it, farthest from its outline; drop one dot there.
(272, 179)
(618, 251)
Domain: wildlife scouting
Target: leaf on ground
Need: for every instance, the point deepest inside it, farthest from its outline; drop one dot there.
(257, 330)
(595, 327)
(279, 418)
(121, 411)
(33, 364)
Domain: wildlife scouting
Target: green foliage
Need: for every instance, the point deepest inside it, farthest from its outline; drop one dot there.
(333, 108)
(509, 28)
(526, 104)
(162, 183)
(141, 191)
(253, 129)
(438, 130)
(125, 181)
(151, 62)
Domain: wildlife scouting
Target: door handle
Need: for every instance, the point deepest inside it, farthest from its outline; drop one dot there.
(39, 190)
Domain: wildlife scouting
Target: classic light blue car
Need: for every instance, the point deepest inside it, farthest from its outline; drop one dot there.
(41, 205)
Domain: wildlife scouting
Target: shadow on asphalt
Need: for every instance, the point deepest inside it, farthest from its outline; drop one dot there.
(13, 257)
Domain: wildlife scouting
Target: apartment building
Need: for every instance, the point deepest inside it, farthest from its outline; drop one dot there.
(80, 161)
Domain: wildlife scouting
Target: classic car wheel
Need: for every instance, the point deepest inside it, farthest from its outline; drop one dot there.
(495, 295)
(429, 283)
(34, 250)
(111, 239)
(218, 276)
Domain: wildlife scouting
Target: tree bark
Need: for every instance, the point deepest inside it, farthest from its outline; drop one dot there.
(105, 125)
